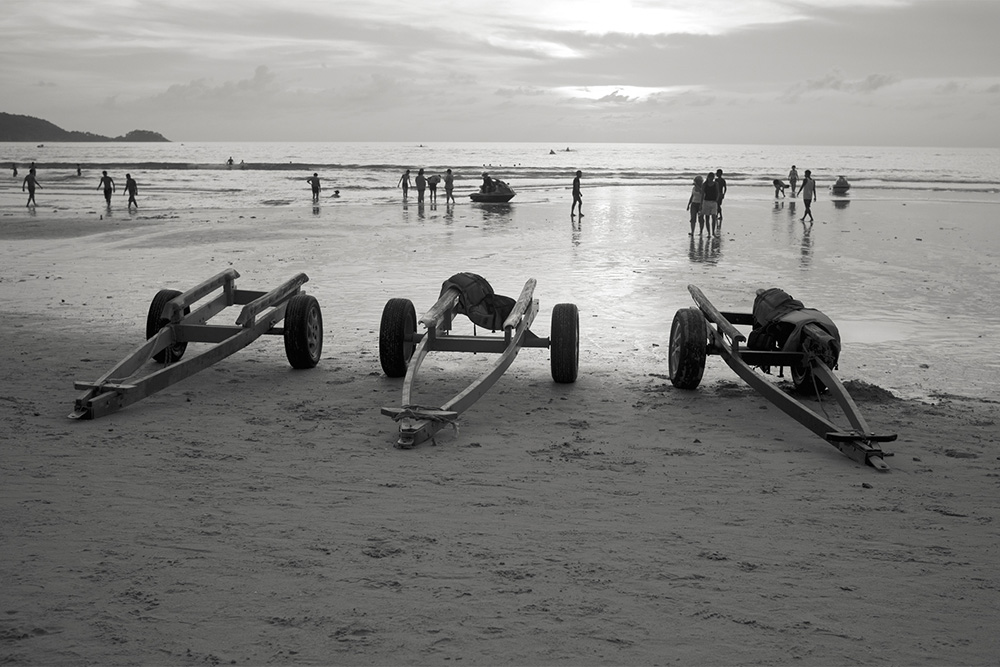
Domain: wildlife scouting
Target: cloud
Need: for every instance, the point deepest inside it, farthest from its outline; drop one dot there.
(836, 81)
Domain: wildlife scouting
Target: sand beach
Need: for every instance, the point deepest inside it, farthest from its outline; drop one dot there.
(254, 514)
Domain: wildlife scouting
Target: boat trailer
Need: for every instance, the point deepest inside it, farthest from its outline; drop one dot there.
(402, 349)
(171, 324)
(815, 351)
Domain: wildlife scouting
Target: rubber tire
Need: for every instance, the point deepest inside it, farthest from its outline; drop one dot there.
(564, 343)
(303, 331)
(399, 320)
(155, 321)
(688, 348)
(805, 383)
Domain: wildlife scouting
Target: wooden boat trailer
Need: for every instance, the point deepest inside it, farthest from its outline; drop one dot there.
(402, 349)
(692, 329)
(171, 325)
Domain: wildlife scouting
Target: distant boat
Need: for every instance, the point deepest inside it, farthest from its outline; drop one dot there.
(841, 186)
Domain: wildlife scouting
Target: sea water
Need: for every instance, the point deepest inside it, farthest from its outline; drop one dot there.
(906, 264)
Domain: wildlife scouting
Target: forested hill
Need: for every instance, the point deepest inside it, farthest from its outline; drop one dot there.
(28, 128)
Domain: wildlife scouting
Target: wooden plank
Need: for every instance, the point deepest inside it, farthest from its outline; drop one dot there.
(521, 304)
(176, 306)
(278, 295)
(715, 316)
(445, 304)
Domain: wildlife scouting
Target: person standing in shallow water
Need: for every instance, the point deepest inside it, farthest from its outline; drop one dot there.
(793, 178)
(449, 187)
(404, 182)
(131, 189)
(108, 184)
(421, 182)
(808, 192)
(31, 183)
(314, 182)
(577, 195)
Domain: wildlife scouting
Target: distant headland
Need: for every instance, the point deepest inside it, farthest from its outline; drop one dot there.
(28, 128)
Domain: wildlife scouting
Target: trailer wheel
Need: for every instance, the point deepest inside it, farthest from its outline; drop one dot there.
(564, 343)
(805, 383)
(688, 348)
(395, 336)
(155, 321)
(303, 331)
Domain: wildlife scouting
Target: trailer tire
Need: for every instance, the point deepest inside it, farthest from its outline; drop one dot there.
(395, 336)
(688, 348)
(303, 331)
(564, 343)
(805, 382)
(155, 321)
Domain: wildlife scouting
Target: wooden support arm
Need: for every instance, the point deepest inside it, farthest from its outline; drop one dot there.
(173, 309)
(279, 294)
(523, 301)
(715, 316)
(444, 305)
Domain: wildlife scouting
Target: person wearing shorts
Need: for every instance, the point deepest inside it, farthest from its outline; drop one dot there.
(108, 184)
(694, 205)
(808, 192)
(710, 204)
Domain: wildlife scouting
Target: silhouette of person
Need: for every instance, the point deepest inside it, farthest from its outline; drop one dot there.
(13, 167)
(808, 192)
(314, 182)
(404, 182)
(722, 190)
(108, 184)
(131, 189)
(793, 178)
(31, 182)
(779, 188)
(577, 195)
(421, 182)
(449, 186)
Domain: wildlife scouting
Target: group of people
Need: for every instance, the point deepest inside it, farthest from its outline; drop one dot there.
(807, 189)
(705, 203)
(31, 183)
(425, 183)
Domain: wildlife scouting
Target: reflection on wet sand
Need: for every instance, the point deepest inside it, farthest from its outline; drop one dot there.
(705, 250)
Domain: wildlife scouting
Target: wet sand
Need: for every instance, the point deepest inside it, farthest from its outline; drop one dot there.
(254, 514)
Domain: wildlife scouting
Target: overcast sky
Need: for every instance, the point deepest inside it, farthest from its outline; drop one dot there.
(854, 72)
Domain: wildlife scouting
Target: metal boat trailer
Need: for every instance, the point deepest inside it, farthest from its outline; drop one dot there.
(693, 337)
(171, 325)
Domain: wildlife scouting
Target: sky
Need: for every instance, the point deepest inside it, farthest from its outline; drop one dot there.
(796, 72)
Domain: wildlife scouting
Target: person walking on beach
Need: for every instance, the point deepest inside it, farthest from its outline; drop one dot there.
(779, 188)
(710, 204)
(808, 192)
(13, 167)
(449, 187)
(421, 182)
(108, 184)
(404, 182)
(694, 205)
(131, 189)
(31, 183)
(577, 195)
(314, 182)
(793, 178)
(722, 191)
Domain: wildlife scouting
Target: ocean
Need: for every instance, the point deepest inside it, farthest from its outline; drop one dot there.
(196, 175)
(907, 263)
